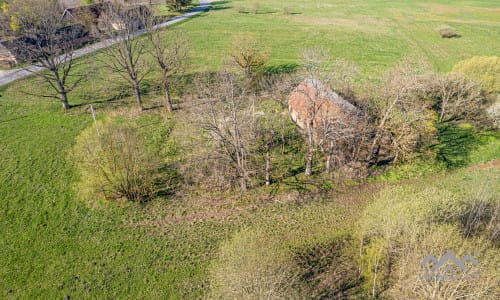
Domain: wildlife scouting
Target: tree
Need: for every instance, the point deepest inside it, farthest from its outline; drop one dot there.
(248, 55)
(403, 118)
(458, 98)
(268, 135)
(337, 138)
(343, 75)
(48, 43)
(172, 57)
(115, 163)
(313, 65)
(485, 69)
(324, 128)
(227, 121)
(126, 52)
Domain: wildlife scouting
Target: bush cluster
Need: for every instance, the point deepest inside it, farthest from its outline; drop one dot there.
(253, 265)
(114, 163)
(405, 224)
(485, 69)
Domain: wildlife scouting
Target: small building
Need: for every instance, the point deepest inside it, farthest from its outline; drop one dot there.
(129, 18)
(97, 16)
(87, 15)
(312, 99)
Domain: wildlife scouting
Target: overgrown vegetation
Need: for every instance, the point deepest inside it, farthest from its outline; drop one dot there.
(253, 265)
(485, 69)
(115, 163)
(407, 223)
(244, 220)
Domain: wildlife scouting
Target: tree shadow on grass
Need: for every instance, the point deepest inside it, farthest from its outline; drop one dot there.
(169, 181)
(288, 68)
(455, 145)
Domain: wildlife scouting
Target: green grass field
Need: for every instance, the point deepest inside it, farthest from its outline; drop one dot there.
(54, 245)
(374, 34)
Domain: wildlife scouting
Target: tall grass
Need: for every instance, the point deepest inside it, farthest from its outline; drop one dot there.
(408, 222)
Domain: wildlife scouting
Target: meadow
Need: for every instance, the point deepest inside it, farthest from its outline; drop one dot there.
(54, 245)
(373, 34)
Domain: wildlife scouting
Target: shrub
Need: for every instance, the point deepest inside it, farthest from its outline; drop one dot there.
(329, 270)
(485, 69)
(447, 32)
(410, 281)
(481, 213)
(114, 163)
(253, 265)
(406, 223)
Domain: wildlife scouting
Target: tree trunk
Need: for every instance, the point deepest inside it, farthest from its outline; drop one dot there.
(309, 157)
(268, 165)
(328, 164)
(64, 100)
(243, 183)
(378, 134)
(138, 97)
(63, 94)
(168, 98)
(443, 110)
(242, 171)
(248, 71)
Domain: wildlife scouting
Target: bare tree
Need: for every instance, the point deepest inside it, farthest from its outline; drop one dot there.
(248, 54)
(458, 97)
(47, 42)
(404, 117)
(172, 57)
(337, 139)
(268, 135)
(400, 86)
(313, 65)
(343, 75)
(226, 119)
(325, 127)
(277, 87)
(126, 52)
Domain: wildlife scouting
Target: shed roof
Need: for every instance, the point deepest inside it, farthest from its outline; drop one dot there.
(311, 92)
